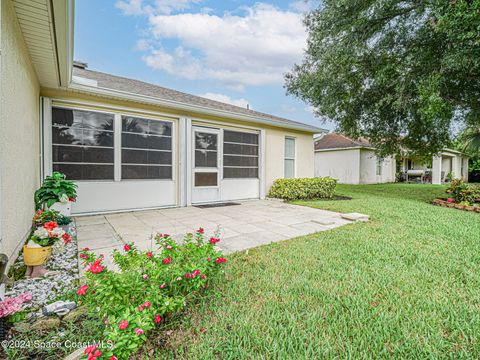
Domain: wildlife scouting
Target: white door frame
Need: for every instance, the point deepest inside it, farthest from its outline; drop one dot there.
(206, 194)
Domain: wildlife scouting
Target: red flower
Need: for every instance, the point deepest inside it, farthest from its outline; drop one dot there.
(157, 319)
(147, 304)
(72, 199)
(86, 249)
(202, 329)
(82, 255)
(90, 349)
(126, 247)
(50, 225)
(66, 238)
(209, 259)
(139, 331)
(123, 325)
(96, 267)
(140, 308)
(213, 240)
(197, 272)
(203, 276)
(149, 254)
(113, 357)
(145, 277)
(220, 260)
(450, 200)
(165, 235)
(200, 231)
(167, 260)
(82, 290)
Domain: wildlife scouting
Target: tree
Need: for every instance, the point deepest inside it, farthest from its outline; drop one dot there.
(400, 72)
(470, 141)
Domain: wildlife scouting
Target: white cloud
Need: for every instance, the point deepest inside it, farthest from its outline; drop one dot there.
(138, 7)
(226, 99)
(304, 5)
(256, 48)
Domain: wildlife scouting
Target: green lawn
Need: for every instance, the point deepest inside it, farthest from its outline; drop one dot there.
(404, 285)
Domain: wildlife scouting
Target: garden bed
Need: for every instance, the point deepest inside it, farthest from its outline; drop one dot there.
(446, 203)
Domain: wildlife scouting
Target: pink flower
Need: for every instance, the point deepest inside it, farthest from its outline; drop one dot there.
(86, 249)
(220, 260)
(149, 254)
(167, 260)
(106, 322)
(66, 238)
(450, 200)
(139, 331)
(213, 240)
(163, 285)
(145, 276)
(169, 247)
(197, 272)
(203, 276)
(96, 267)
(10, 305)
(113, 357)
(202, 329)
(200, 230)
(179, 278)
(123, 325)
(140, 308)
(82, 255)
(147, 304)
(50, 225)
(157, 319)
(126, 247)
(209, 259)
(82, 290)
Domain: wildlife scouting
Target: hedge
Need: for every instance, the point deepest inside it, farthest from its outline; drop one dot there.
(303, 188)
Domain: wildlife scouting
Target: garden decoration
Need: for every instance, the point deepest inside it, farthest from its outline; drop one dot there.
(56, 193)
(39, 248)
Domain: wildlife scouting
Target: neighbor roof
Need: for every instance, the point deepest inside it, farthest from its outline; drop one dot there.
(99, 80)
(338, 141)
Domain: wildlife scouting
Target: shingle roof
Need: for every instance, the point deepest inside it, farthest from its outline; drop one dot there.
(112, 82)
(339, 141)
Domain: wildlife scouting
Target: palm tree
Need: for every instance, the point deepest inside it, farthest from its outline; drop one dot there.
(470, 140)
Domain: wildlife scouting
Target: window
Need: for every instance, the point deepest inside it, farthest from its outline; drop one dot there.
(379, 166)
(240, 155)
(146, 149)
(82, 144)
(206, 152)
(289, 157)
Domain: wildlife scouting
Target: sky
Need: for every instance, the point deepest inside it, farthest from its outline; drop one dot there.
(234, 51)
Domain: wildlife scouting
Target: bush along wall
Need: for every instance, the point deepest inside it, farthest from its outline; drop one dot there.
(303, 188)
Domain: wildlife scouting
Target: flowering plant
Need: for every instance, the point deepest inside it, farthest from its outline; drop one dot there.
(49, 233)
(55, 188)
(148, 286)
(43, 216)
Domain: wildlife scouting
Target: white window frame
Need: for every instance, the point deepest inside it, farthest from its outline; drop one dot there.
(290, 158)
(253, 132)
(117, 126)
(379, 166)
(218, 169)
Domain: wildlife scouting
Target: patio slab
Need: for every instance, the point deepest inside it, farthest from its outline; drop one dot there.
(241, 227)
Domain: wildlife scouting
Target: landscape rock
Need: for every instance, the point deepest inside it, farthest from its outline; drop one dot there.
(75, 313)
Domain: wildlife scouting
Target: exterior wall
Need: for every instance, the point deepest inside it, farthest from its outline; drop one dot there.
(343, 165)
(19, 134)
(272, 144)
(368, 168)
(274, 154)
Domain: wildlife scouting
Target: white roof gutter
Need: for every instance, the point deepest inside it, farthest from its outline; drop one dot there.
(188, 107)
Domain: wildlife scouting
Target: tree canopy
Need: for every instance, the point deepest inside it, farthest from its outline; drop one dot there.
(402, 73)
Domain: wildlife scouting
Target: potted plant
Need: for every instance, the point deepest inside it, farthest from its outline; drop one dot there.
(56, 193)
(39, 248)
(43, 216)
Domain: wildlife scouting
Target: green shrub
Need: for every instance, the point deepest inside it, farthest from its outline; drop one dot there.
(303, 188)
(461, 191)
(147, 286)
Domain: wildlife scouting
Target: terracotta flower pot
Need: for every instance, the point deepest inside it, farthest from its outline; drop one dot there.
(36, 256)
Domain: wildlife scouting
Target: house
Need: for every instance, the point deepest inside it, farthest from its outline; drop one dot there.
(127, 144)
(353, 161)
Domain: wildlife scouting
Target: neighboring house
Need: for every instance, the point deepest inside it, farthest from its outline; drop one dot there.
(128, 144)
(437, 169)
(351, 161)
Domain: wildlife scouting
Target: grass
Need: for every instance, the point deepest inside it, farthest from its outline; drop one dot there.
(404, 285)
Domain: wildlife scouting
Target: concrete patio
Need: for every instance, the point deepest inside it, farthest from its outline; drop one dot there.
(244, 226)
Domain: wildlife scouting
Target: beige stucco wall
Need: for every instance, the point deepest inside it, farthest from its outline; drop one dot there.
(343, 165)
(274, 154)
(19, 134)
(368, 168)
